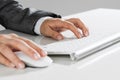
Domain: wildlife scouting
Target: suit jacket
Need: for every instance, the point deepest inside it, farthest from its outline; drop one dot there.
(14, 16)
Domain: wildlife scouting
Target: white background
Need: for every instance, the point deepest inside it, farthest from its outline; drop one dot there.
(67, 7)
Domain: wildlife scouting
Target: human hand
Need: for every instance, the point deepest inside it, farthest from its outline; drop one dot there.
(53, 26)
(9, 43)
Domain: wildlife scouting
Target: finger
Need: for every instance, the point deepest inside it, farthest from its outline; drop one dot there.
(70, 26)
(34, 46)
(25, 48)
(78, 23)
(83, 28)
(7, 52)
(6, 62)
(54, 34)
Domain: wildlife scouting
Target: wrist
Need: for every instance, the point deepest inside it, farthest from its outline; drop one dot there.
(38, 25)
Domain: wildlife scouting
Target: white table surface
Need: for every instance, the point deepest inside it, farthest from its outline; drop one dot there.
(103, 65)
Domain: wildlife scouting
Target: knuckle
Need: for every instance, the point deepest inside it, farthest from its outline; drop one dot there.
(28, 41)
(13, 35)
(59, 20)
(16, 42)
(2, 36)
(13, 41)
(77, 19)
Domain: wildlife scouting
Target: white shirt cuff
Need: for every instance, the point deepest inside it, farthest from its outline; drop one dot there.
(38, 25)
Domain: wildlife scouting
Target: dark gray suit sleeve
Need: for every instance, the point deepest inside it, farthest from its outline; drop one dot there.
(14, 16)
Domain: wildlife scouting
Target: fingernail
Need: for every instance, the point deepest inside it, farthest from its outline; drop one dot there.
(86, 34)
(37, 56)
(21, 66)
(59, 37)
(44, 53)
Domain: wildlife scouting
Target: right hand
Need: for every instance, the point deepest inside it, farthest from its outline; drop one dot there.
(54, 26)
(9, 43)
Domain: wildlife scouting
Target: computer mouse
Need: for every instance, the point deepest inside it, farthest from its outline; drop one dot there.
(42, 62)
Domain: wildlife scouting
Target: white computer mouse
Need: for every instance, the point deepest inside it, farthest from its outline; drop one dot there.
(42, 62)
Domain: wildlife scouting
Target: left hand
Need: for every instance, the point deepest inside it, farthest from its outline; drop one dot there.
(53, 26)
(10, 43)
